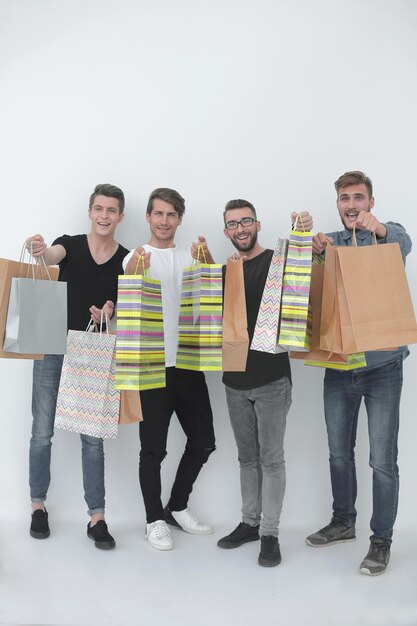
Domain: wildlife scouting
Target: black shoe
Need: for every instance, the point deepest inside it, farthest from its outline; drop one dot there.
(100, 535)
(240, 535)
(39, 527)
(270, 554)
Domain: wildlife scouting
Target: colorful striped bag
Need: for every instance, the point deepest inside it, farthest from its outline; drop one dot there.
(200, 319)
(353, 362)
(140, 349)
(295, 322)
(88, 401)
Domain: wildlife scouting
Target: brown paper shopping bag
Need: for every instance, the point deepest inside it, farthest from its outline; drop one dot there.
(14, 269)
(130, 407)
(235, 325)
(330, 334)
(316, 353)
(375, 306)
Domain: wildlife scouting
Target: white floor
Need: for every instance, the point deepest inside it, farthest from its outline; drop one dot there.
(66, 580)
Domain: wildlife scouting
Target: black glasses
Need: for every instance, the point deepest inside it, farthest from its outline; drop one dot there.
(245, 221)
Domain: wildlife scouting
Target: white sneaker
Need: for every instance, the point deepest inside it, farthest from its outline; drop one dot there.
(159, 535)
(188, 522)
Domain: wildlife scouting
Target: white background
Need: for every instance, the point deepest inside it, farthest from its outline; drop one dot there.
(266, 100)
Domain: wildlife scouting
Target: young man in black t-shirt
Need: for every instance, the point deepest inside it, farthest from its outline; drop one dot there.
(258, 399)
(90, 264)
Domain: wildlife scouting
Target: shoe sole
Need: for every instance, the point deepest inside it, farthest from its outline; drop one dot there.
(37, 535)
(329, 543)
(268, 563)
(102, 545)
(197, 532)
(158, 547)
(230, 546)
(365, 570)
(186, 530)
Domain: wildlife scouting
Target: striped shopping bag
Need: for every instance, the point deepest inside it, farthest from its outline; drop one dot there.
(295, 322)
(140, 349)
(200, 318)
(88, 401)
(353, 362)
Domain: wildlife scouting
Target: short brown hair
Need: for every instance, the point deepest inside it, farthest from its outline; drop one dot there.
(167, 195)
(110, 191)
(353, 178)
(239, 204)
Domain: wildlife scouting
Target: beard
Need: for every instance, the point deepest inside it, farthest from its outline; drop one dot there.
(245, 245)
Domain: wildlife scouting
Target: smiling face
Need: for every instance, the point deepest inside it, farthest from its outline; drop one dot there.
(105, 215)
(244, 238)
(351, 201)
(163, 221)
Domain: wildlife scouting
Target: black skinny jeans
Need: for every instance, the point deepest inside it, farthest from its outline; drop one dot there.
(185, 393)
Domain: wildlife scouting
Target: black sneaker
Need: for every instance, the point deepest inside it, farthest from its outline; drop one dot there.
(240, 535)
(39, 527)
(100, 535)
(270, 554)
(377, 559)
(335, 532)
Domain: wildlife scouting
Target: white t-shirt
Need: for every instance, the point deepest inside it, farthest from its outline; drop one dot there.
(167, 265)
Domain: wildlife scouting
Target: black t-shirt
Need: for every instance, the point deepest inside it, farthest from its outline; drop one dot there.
(261, 367)
(88, 283)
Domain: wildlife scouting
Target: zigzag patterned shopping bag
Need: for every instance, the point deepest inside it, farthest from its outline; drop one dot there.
(200, 319)
(140, 348)
(88, 402)
(295, 323)
(266, 328)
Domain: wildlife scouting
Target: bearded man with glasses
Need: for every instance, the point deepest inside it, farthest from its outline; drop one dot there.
(258, 399)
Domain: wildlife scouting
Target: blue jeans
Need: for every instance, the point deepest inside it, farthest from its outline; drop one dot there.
(46, 376)
(380, 387)
(258, 419)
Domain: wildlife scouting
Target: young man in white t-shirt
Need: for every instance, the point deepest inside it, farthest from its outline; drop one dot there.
(185, 392)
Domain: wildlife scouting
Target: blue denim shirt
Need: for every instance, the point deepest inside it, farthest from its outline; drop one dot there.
(395, 234)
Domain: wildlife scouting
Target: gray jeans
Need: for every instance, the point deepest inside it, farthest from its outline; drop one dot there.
(258, 419)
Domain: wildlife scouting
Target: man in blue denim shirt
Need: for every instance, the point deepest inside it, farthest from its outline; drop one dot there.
(379, 383)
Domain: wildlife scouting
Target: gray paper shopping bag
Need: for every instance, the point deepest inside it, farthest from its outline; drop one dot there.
(14, 269)
(36, 317)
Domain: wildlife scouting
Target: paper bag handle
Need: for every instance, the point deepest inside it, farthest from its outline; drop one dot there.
(200, 250)
(355, 241)
(141, 257)
(33, 261)
(92, 326)
(301, 223)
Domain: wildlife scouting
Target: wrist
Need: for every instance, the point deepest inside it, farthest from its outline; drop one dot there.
(381, 231)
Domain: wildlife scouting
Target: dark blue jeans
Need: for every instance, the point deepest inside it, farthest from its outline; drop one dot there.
(380, 388)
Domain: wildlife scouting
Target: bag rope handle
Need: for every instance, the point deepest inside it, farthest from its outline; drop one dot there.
(141, 257)
(200, 250)
(355, 241)
(93, 327)
(33, 262)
